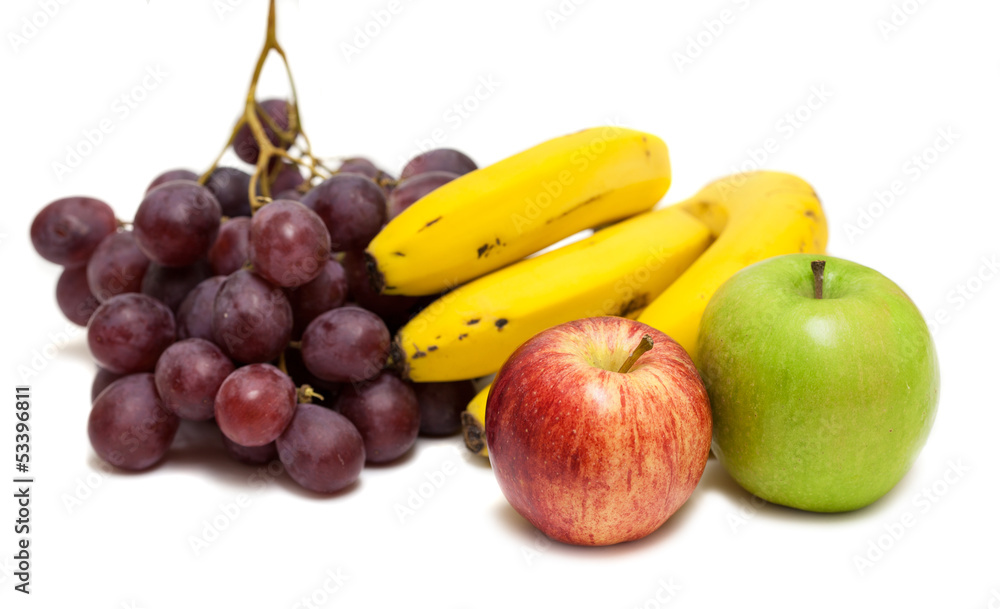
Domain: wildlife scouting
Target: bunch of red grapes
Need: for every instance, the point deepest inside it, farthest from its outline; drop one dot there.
(201, 311)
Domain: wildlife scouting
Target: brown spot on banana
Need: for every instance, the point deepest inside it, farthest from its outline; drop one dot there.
(434, 221)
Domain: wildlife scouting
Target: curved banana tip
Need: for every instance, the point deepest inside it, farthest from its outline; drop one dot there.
(375, 276)
(474, 434)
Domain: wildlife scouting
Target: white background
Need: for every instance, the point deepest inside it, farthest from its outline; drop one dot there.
(887, 93)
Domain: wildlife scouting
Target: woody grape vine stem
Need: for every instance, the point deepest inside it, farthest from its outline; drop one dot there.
(255, 119)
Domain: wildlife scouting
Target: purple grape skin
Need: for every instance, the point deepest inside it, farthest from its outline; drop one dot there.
(188, 375)
(66, 231)
(321, 449)
(176, 223)
(327, 291)
(289, 244)
(128, 425)
(171, 284)
(246, 146)
(117, 266)
(251, 455)
(439, 159)
(442, 405)
(289, 178)
(251, 318)
(255, 404)
(172, 175)
(394, 310)
(128, 333)
(74, 297)
(412, 189)
(102, 379)
(360, 165)
(346, 345)
(231, 250)
(351, 206)
(231, 187)
(365, 167)
(194, 316)
(290, 195)
(386, 413)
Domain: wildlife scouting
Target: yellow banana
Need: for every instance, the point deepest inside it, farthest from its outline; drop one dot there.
(754, 216)
(496, 215)
(474, 423)
(470, 331)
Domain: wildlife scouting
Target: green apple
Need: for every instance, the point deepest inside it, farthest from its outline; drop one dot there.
(823, 382)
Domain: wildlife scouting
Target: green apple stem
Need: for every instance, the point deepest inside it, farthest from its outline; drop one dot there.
(817, 267)
(644, 345)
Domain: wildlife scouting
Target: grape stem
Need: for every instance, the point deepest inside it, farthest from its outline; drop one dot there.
(255, 118)
(306, 393)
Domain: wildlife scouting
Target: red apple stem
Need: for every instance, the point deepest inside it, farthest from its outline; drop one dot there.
(818, 266)
(644, 345)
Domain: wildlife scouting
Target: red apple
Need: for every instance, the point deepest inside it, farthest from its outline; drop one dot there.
(593, 438)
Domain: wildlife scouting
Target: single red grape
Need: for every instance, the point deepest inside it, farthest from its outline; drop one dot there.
(346, 345)
(231, 187)
(360, 165)
(128, 333)
(188, 375)
(351, 206)
(171, 175)
(321, 449)
(386, 413)
(255, 404)
(128, 425)
(439, 159)
(251, 318)
(289, 244)
(68, 230)
(117, 266)
(176, 223)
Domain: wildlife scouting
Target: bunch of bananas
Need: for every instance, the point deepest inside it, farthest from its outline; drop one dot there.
(469, 240)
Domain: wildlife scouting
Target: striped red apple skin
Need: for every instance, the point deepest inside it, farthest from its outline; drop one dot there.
(587, 454)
